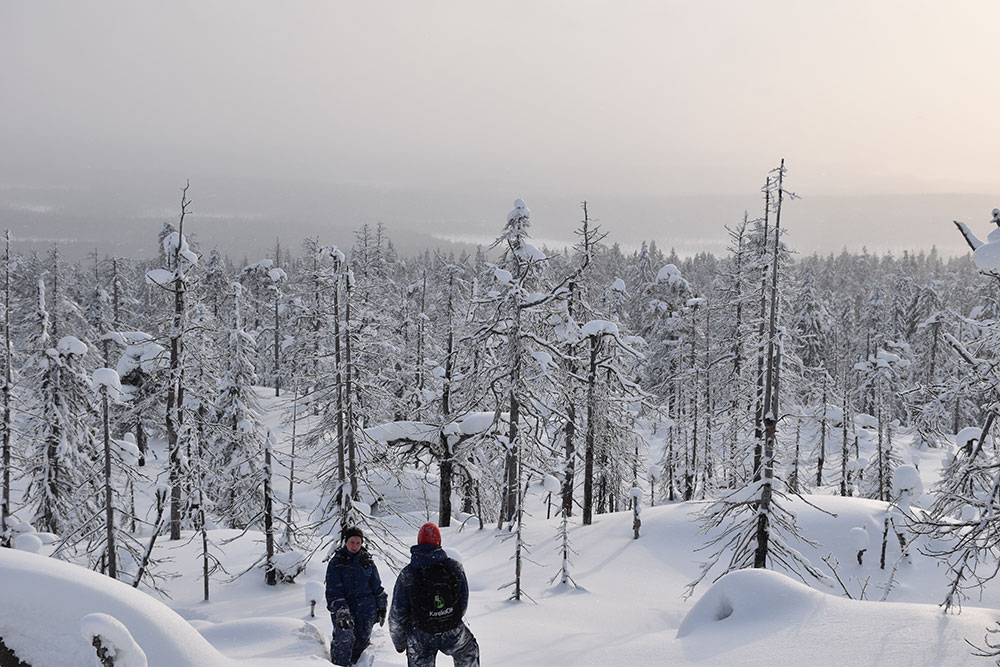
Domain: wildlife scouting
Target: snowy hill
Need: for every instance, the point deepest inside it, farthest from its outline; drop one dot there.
(629, 607)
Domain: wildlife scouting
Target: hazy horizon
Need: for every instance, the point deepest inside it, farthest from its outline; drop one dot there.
(433, 117)
(244, 218)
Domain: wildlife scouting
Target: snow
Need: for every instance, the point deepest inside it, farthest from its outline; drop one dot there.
(671, 275)
(115, 639)
(335, 254)
(71, 345)
(476, 422)
(36, 587)
(127, 448)
(268, 641)
(520, 210)
(967, 435)
(404, 430)
(551, 484)
(629, 611)
(175, 243)
(107, 379)
(316, 592)
(277, 275)
(543, 358)
(503, 275)
(599, 328)
(530, 253)
(994, 235)
(906, 478)
(161, 277)
(28, 542)
(618, 286)
(141, 352)
(987, 256)
(859, 538)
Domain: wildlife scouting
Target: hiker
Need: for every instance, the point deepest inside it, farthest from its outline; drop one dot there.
(354, 597)
(428, 603)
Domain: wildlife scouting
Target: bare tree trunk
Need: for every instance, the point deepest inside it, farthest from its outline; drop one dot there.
(277, 344)
(762, 399)
(821, 459)
(291, 467)
(770, 399)
(447, 455)
(109, 508)
(175, 391)
(352, 454)
(5, 501)
(270, 574)
(509, 503)
(588, 460)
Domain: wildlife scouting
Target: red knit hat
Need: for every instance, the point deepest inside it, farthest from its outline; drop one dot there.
(429, 534)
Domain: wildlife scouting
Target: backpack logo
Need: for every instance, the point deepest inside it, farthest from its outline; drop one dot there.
(436, 598)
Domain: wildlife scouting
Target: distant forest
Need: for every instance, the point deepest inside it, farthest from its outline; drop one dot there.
(497, 368)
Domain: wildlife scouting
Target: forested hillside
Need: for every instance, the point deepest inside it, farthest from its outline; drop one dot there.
(764, 373)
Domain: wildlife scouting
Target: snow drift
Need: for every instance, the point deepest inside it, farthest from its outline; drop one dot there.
(45, 600)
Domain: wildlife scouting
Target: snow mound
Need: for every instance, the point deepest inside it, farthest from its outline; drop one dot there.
(265, 640)
(28, 542)
(114, 638)
(747, 596)
(35, 587)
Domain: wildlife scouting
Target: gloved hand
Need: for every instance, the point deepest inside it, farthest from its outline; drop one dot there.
(344, 620)
(380, 616)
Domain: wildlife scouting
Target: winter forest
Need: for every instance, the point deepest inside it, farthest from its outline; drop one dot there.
(197, 398)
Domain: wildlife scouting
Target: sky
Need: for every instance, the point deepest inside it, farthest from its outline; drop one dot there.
(436, 115)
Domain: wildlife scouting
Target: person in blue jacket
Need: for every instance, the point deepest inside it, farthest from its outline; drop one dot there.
(428, 603)
(355, 598)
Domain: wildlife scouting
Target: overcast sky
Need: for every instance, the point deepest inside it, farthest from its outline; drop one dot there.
(622, 100)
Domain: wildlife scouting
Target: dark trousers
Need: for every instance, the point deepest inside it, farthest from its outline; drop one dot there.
(422, 647)
(348, 645)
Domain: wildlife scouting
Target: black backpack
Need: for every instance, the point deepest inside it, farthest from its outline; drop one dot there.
(436, 598)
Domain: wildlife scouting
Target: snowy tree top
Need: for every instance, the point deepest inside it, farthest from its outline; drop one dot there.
(177, 243)
(671, 275)
(106, 379)
(262, 266)
(519, 212)
(71, 345)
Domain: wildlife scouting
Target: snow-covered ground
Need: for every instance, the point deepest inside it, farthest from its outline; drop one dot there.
(629, 606)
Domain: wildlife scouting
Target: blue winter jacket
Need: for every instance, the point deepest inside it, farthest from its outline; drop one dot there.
(352, 583)
(421, 555)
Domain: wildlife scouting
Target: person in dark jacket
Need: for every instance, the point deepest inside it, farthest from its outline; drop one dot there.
(428, 604)
(355, 598)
